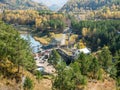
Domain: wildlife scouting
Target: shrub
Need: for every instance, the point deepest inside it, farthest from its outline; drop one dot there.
(28, 84)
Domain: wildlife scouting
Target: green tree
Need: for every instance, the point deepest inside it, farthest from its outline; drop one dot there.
(28, 84)
(64, 80)
(105, 59)
(56, 24)
(39, 76)
(118, 83)
(117, 60)
(100, 74)
(15, 49)
(94, 67)
(69, 77)
(77, 76)
(55, 58)
(85, 61)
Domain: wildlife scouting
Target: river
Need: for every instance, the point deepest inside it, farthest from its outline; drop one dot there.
(35, 45)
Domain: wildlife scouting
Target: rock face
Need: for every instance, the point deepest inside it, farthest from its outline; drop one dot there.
(21, 4)
(79, 5)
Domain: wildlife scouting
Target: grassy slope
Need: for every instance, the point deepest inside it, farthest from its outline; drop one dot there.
(9, 84)
(8, 80)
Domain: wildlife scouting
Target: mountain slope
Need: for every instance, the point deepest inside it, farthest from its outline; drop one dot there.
(53, 5)
(78, 5)
(20, 4)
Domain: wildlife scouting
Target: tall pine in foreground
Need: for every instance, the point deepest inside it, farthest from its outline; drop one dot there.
(106, 61)
(54, 58)
(15, 49)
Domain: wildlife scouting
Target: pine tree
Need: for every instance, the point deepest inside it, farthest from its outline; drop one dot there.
(28, 84)
(55, 58)
(94, 67)
(105, 59)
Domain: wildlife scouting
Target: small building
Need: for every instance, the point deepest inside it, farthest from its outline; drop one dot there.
(83, 50)
(59, 40)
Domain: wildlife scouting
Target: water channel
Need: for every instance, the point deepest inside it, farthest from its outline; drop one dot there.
(35, 45)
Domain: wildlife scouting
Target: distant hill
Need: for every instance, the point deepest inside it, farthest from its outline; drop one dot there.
(21, 4)
(54, 7)
(79, 5)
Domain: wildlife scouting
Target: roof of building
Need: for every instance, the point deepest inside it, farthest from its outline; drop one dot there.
(60, 37)
(84, 50)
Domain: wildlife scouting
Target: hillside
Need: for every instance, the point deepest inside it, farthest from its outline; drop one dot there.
(21, 4)
(54, 7)
(80, 5)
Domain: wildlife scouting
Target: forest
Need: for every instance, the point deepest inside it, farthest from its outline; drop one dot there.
(21, 5)
(81, 5)
(92, 25)
(92, 9)
(112, 12)
(15, 52)
(41, 20)
(102, 36)
(85, 69)
(99, 33)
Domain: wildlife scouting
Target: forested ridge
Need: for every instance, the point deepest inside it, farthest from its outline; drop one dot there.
(78, 5)
(41, 20)
(99, 33)
(21, 4)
